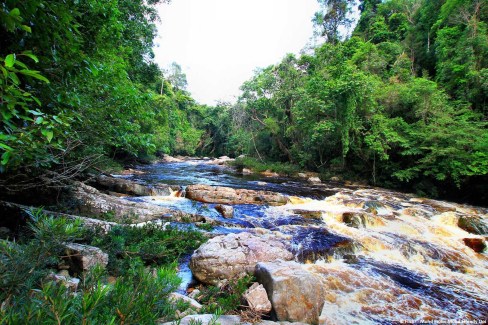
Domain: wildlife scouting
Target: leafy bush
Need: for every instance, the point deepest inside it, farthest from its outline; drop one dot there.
(150, 244)
(25, 263)
(138, 296)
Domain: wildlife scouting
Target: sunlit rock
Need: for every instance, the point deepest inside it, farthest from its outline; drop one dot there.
(257, 299)
(295, 294)
(314, 180)
(225, 210)
(234, 255)
(227, 195)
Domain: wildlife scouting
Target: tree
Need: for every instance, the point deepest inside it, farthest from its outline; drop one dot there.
(176, 76)
(332, 15)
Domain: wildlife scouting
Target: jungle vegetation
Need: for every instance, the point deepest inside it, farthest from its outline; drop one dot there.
(401, 102)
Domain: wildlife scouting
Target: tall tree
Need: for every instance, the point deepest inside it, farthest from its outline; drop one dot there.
(332, 15)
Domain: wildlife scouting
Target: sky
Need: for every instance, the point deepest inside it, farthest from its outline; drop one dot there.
(220, 43)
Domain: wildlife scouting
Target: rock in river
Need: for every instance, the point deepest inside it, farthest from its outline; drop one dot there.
(228, 195)
(295, 293)
(234, 255)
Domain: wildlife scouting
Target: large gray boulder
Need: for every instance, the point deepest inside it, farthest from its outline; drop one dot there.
(295, 293)
(234, 255)
(228, 195)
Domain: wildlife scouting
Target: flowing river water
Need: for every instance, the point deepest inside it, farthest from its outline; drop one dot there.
(385, 256)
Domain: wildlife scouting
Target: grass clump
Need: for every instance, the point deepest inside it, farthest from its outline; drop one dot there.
(259, 166)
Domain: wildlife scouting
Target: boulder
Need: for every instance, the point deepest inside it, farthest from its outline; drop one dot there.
(257, 299)
(170, 159)
(473, 224)
(234, 255)
(87, 200)
(476, 244)
(295, 293)
(314, 180)
(174, 297)
(68, 282)
(227, 195)
(246, 171)
(225, 210)
(84, 257)
(269, 173)
(125, 186)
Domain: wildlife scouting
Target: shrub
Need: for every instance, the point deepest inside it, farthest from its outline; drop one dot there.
(149, 244)
(138, 296)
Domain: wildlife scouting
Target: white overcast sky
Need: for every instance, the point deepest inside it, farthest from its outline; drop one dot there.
(219, 43)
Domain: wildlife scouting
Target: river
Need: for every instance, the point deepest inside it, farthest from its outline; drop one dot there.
(385, 256)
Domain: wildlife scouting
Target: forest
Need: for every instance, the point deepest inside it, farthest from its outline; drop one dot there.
(400, 103)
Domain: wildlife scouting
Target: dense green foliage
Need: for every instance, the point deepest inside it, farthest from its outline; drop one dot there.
(150, 244)
(78, 82)
(137, 296)
(402, 103)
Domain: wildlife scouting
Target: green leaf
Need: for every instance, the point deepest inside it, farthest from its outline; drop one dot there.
(15, 13)
(34, 74)
(30, 55)
(39, 120)
(4, 71)
(5, 157)
(48, 134)
(37, 113)
(14, 78)
(26, 28)
(4, 146)
(10, 60)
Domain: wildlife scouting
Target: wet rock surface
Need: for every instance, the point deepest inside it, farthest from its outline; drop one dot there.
(234, 255)
(225, 210)
(227, 195)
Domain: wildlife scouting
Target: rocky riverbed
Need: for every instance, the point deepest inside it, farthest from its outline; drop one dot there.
(330, 254)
